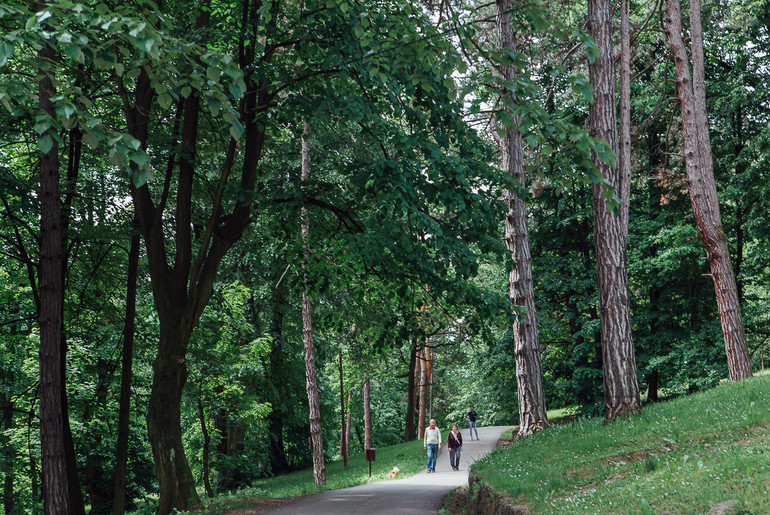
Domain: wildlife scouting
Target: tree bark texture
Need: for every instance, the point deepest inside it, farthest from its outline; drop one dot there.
(423, 393)
(278, 461)
(126, 373)
(8, 450)
(621, 386)
(206, 448)
(31, 453)
(175, 479)
(429, 367)
(701, 183)
(624, 143)
(349, 424)
(54, 467)
(67, 193)
(99, 496)
(367, 414)
(316, 440)
(411, 395)
(343, 448)
(529, 373)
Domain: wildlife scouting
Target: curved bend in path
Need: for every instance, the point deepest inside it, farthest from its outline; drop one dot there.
(421, 493)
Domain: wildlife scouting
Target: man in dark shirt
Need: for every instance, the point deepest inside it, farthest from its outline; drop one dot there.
(471, 418)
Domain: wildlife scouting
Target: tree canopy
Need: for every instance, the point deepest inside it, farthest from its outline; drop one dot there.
(178, 125)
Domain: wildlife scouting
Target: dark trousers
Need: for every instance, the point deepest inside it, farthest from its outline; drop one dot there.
(454, 458)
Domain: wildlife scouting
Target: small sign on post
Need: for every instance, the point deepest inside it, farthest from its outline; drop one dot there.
(370, 459)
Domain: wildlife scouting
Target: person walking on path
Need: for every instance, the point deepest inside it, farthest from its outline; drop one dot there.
(455, 443)
(421, 493)
(471, 418)
(432, 444)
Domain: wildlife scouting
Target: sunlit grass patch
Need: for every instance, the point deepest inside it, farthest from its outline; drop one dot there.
(682, 456)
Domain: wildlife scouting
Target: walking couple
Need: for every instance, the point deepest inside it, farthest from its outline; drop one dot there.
(432, 444)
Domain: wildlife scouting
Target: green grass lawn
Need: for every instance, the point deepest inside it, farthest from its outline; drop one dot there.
(681, 456)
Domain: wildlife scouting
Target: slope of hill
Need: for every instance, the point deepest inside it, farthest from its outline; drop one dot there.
(682, 456)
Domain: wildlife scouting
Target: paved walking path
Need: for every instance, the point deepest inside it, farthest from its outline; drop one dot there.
(421, 493)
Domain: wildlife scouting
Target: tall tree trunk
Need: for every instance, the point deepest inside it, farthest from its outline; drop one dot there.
(621, 387)
(367, 414)
(653, 378)
(32, 463)
(126, 373)
(343, 448)
(740, 219)
(740, 236)
(411, 395)
(429, 366)
(183, 283)
(701, 183)
(98, 495)
(423, 394)
(349, 424)
(178, 309)
(529, 373)
(75, 501)
(175, 480)
(316, 440)
(8, 449)
(52, 441)
(278, 461)
(624, 142)
(206, 448)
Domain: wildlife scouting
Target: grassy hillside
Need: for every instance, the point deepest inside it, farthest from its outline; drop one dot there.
(681, 456)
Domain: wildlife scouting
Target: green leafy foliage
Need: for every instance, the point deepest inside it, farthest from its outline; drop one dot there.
(404, 210)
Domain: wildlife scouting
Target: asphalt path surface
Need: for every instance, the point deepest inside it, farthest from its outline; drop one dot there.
(421, 493)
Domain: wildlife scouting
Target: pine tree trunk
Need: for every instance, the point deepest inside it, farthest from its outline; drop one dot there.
(529, 374)
(126, 373)
(8, 449)
(278, 461)
(349, 424)
(206, 451)
(621, 387)
(52, 445)
(343, 449)
(367, 414)
(31, 452)
(411, 396)
(624, 143)
(99, 497)
(702, 186)
(316, 440)
(429, 377)
(423, 394)
(68, 193)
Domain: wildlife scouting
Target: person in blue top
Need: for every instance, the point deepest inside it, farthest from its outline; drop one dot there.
(471, 418)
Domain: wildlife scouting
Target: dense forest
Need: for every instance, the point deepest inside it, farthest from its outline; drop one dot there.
(227, 224)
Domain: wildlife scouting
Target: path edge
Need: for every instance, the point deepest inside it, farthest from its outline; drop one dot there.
(481, 498)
